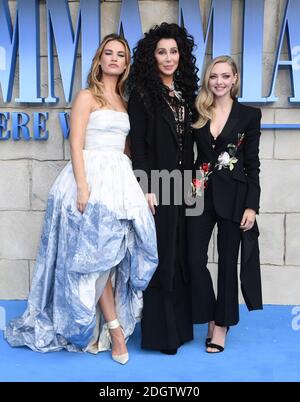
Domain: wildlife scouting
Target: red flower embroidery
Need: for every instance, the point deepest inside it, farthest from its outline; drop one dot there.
(197, 183)
(241, 139)
(205, 167)
(225, 160)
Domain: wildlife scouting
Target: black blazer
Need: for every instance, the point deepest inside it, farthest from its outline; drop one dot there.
(153, 138)
(235, 190)
(154, 146)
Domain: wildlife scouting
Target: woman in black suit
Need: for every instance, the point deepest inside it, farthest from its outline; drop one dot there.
(163, 87)
(227, 136)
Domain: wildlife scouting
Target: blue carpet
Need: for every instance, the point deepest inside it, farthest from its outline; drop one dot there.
(263, 347)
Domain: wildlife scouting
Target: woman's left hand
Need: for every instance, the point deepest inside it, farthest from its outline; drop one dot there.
(248, 219)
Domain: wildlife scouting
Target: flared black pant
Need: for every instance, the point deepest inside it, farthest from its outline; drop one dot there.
(223, 309)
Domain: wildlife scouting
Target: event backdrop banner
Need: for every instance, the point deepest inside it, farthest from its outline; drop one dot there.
(23, 39)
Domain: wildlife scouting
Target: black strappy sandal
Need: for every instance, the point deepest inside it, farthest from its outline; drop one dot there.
(215, 345)
(207, 342)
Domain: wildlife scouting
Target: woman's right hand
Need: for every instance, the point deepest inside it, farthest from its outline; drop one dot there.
(83, 195)
(152, 202)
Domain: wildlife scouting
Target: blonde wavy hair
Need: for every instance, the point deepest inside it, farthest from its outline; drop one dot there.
(95, 75)
(205, 98)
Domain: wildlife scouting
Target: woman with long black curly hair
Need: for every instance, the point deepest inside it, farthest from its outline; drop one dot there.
(163, 84)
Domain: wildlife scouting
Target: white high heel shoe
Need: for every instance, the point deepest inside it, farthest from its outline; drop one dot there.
(122, 359)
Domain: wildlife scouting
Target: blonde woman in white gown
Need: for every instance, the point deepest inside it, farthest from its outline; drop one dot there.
(98, 245)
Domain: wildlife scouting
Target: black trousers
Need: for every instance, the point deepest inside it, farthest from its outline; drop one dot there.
(223, 309)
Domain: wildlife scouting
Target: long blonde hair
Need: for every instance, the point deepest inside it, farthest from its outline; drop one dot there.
(205, 98)
(95, 75)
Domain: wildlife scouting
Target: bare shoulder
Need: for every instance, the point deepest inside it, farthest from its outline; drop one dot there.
(84, 95)
(83, 101)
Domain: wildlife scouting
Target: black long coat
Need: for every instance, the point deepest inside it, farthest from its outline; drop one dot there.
(154, 146)
(234, 191)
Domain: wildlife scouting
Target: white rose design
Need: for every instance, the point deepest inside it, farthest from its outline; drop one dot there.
(223, 159)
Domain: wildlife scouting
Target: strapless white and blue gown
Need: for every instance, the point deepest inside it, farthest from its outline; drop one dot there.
(113, 239)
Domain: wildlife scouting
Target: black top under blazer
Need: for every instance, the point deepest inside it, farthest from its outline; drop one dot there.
(235, 190)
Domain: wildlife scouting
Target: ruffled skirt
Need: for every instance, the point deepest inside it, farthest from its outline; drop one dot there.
(113, 239)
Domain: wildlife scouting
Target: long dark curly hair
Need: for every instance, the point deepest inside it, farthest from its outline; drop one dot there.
(144, 75)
